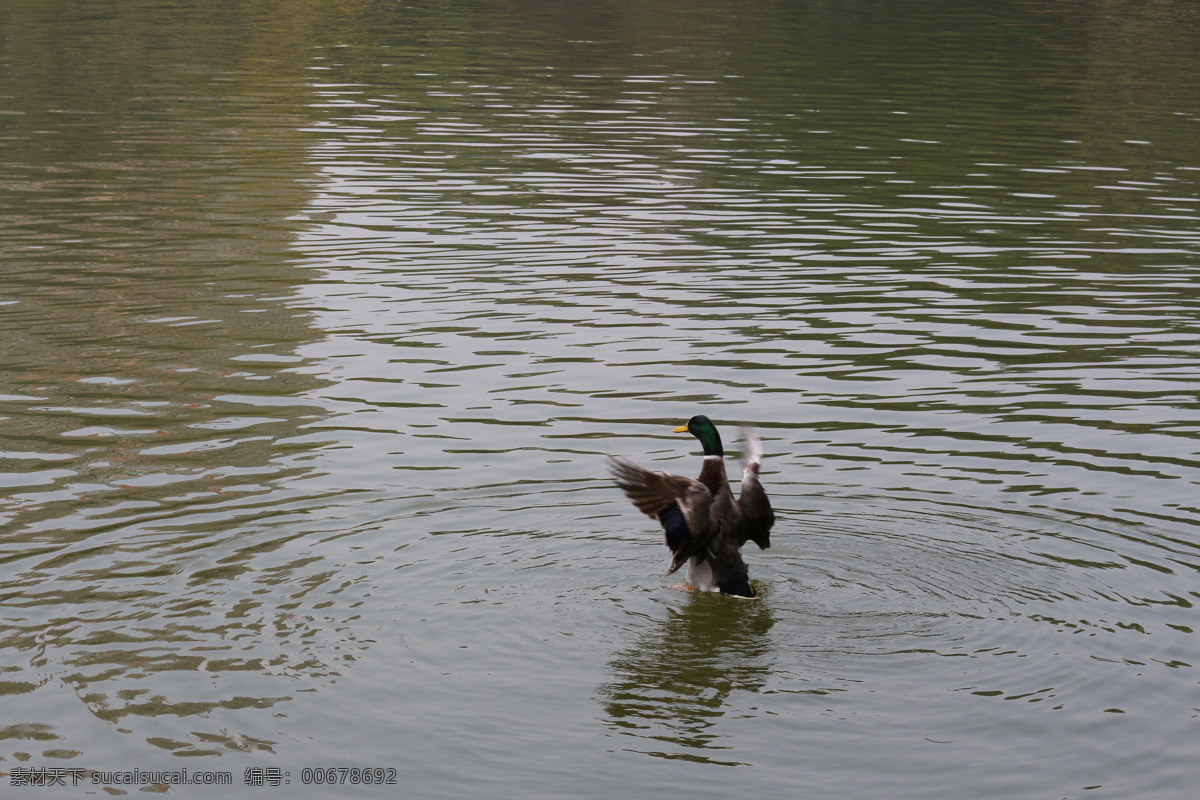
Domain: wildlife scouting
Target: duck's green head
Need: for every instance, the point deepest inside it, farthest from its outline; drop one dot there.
(703, 429)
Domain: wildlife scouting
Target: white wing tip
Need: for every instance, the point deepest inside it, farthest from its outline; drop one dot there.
(753, 447)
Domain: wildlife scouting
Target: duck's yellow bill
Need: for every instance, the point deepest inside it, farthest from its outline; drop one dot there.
(682, 428)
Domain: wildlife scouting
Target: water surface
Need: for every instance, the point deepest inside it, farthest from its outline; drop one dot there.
(320, 323)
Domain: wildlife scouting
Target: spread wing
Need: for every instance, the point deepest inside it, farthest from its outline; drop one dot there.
(681, 505)
(756, 514)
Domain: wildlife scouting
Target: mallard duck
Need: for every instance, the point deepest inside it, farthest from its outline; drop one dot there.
(702, 524)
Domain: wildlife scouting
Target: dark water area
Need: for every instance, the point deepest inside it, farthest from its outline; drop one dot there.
(318, 323)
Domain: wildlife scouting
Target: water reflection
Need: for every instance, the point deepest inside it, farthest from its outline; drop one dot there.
(157, 394)
(669, 690)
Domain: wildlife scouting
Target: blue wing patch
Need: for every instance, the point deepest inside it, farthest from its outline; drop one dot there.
(674, 526)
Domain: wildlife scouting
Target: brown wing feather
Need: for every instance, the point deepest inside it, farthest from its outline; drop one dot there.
(757, 516)
(650, 491)
(654, 493)
(754, 509)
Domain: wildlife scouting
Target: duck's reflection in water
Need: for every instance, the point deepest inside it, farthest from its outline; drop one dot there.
(670, 688)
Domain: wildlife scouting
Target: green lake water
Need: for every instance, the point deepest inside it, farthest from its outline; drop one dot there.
(319, 320)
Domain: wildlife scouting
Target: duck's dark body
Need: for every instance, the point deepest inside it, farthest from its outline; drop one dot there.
(703, 525)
